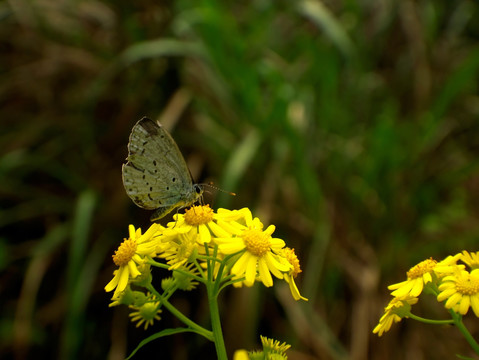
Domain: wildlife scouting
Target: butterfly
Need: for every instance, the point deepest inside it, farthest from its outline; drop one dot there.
(156, 176)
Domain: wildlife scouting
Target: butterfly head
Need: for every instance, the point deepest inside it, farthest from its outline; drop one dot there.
(198, 191)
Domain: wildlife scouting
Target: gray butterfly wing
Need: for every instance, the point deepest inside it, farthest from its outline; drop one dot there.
(156, 175)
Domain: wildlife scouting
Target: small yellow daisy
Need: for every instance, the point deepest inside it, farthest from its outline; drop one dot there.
(202, 222)
(241, 355)
(259, 259)
(130, 254)
(461, 291)
(417, 277)
(289, 277)
(272, 346)
(185, 237)
(146, 314)
(394, 312)
(448, 266)
(471, 259)
(179, 249)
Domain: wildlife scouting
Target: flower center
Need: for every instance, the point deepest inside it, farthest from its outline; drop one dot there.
(422, 268)
(257, 242)
(125, 252)
(198, 215)
(293, 260)
(149, 311)
(467, 285)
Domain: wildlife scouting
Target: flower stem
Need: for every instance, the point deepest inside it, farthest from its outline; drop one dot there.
(213, 292)
(191, 324)
(460, 325)
(181, 271)
(430, 321)
(215, 322)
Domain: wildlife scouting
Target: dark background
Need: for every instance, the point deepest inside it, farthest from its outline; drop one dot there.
(350, 125)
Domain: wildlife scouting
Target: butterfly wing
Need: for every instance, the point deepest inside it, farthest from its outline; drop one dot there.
(156, 175)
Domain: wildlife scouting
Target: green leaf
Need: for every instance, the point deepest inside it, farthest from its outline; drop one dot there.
(158, 335)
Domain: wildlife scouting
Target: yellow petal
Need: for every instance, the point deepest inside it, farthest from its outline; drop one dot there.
(239, 268)
(264, 273)
(114, 282)
(205, 235)
(131, 231)
(123, 281)
(250, 274)
(218, 231)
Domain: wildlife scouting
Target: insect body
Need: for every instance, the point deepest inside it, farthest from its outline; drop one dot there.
(156, 176)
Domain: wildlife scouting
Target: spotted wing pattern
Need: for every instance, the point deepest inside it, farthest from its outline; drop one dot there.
(156, 175)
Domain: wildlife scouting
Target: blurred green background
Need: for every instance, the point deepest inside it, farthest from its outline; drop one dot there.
(350, 125)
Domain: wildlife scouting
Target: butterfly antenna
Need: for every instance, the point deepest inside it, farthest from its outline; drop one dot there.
(212, 186)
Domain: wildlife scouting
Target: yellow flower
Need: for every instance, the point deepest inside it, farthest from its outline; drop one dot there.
(185, 281)
(448, 266)
(146, 313)
(130, 254)
(129, 297)
(185, 237)
(417, 277)
(179, 249)
(394, 312)
(259, 257)
(292, 259)
(461, 291)
(241, 355)
(271, 346)
(201, 222)
(471, 259)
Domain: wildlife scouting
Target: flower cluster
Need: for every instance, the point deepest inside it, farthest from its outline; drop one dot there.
(230, 246)
(272, 349)
(454, 281)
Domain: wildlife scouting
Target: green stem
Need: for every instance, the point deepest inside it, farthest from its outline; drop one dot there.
(230, 282)
(460, 325)
(430, 321)
(215, 322)
(190, 323)
(220, 279)
(212, 290)
(167, 267)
